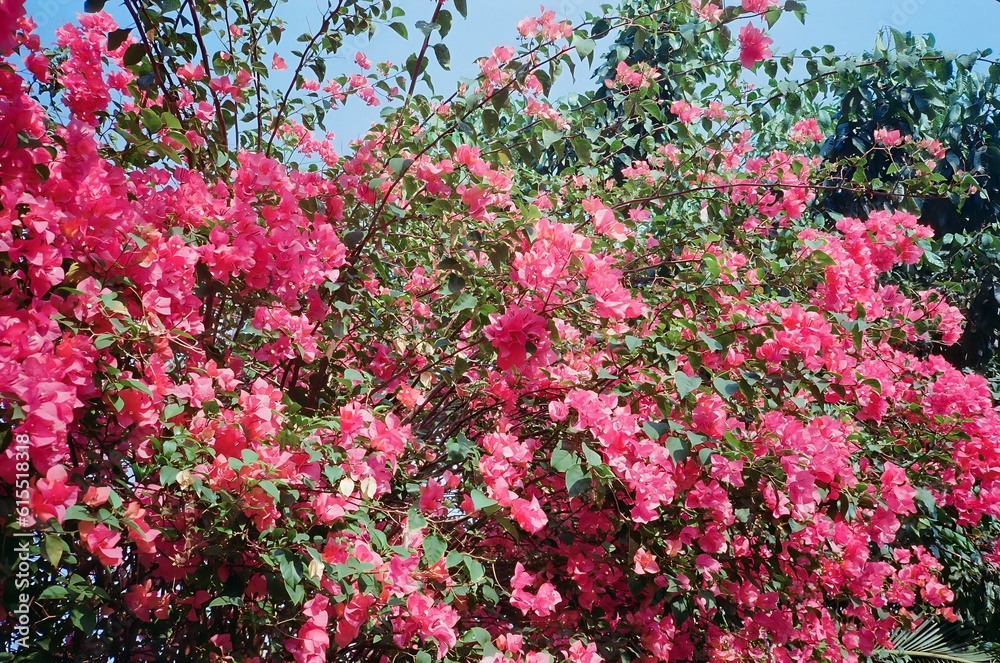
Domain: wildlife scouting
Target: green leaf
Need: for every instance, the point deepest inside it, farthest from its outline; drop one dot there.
(444, 19)
(426, 28)
(593, 458)
(711, 343)
(226, 600)
(84, 619)
(476, 570)
(582, 147)
(270, 489)
(415, 520)
(138, 386)
(549, 137)
(725, 37)
(453, 559)
(584, 46)
(133, 54)
(400, 29)
(151, 120)
(480, 500)
(54, 547)
(685, 383)
(925, 499)
(577, 481)
(459, 369)
(465, 301)
(462, 9)
(928, 642)
(823, 258)
(102, 341)
(500, 98)
(434, 548)
(172, 410)
(171, 121)
(712, 265)
(296, 592)
(679, 449)
(562, 460)
(54, 592)
(726, 388)
(399, 165)
(94, 6)
(443, 56)
(168, 475)
(655, 429)
(117, 38)
(459, 448)
(354, 375)
(491, 121)
(78, 512)
(455, 283)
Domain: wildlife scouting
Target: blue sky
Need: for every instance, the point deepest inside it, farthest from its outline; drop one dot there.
(960, 25)
(849, 25)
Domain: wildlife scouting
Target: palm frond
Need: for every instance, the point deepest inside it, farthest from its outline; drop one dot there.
(929, 643)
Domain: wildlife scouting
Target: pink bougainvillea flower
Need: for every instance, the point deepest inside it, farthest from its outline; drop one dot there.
(546, 600)
(709, 416)
(896, 490)
(645, 562)
(546, 24)
(888, 137)
(145, 602)
(515, 334)
(433, 621)
(10, 12)
(191, 72)
(529, 515)
(354, 616)
(685, 111)
(102, 542)
(583, 653)
(542, 604)
(53, 495)
(758, 6)
(604, 220)
(755, 46)
(709, 11)
(558, 410)
(805, 131)
(141, 533)
(96, 496)
(312, 641)
(884, 525)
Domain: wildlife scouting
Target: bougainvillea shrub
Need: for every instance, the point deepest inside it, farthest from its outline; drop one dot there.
(425, 400)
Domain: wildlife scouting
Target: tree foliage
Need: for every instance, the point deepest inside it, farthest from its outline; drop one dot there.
(429, 400)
